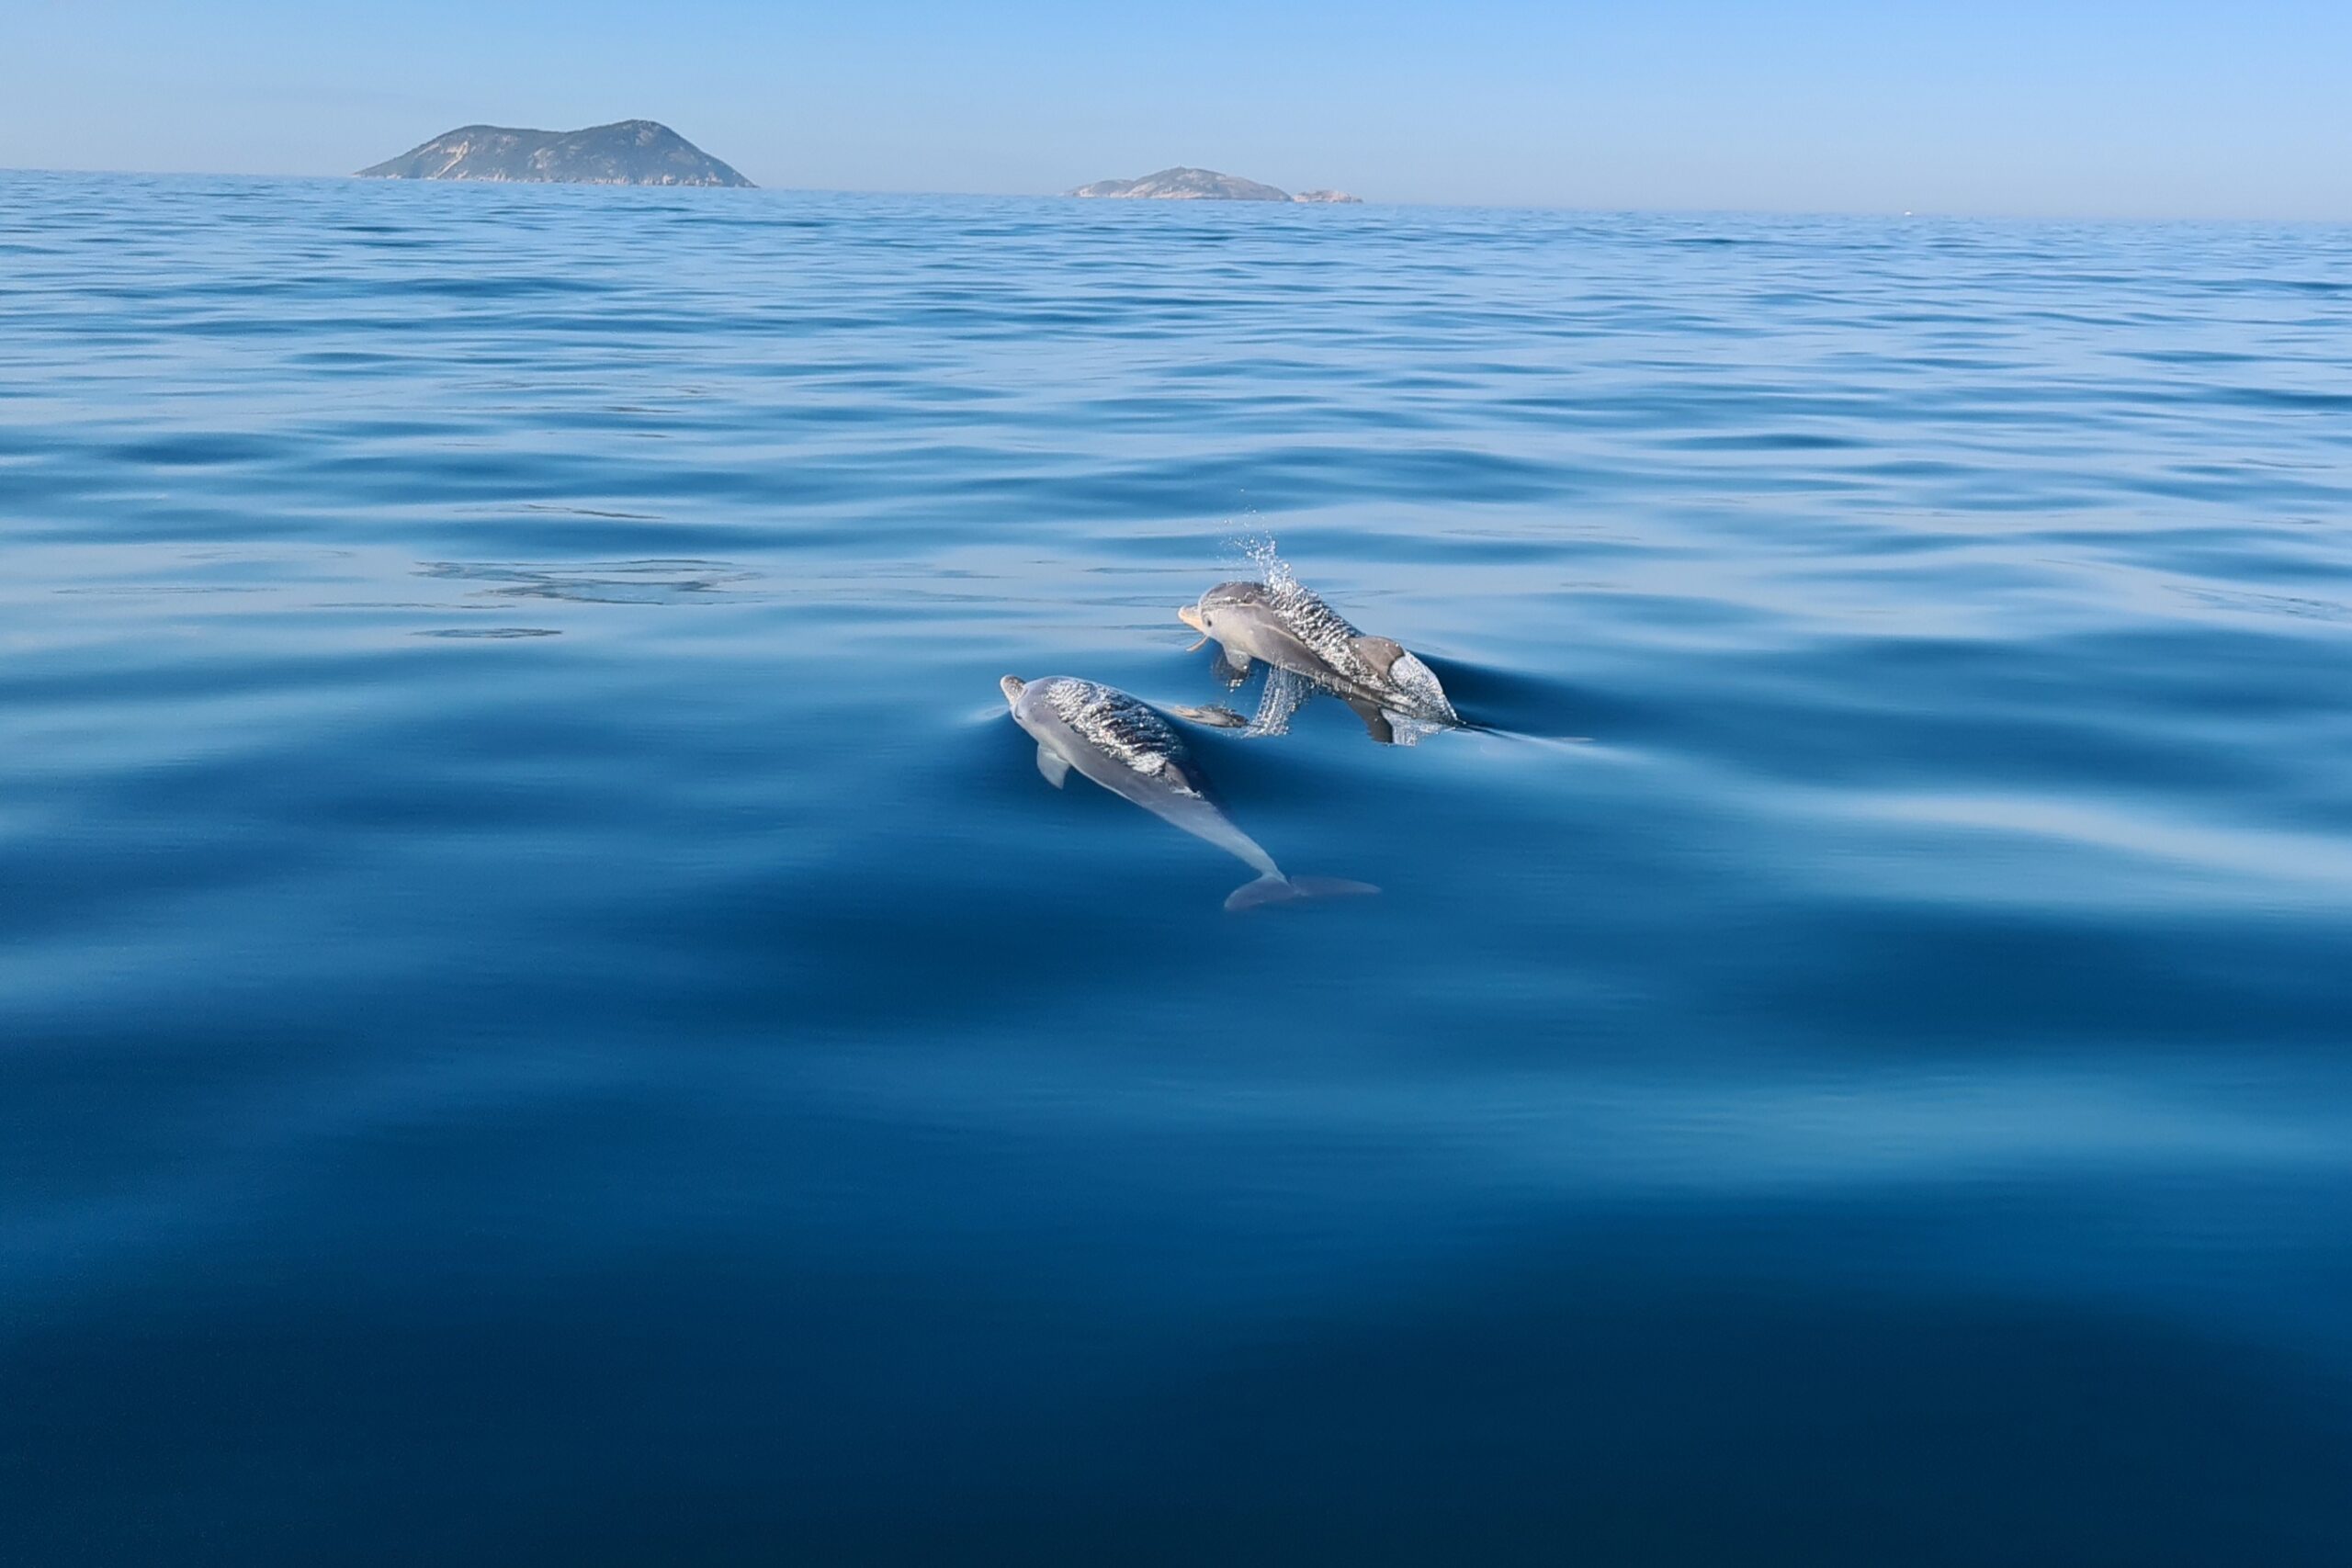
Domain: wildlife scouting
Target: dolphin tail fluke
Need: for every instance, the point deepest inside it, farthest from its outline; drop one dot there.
(1276, 888)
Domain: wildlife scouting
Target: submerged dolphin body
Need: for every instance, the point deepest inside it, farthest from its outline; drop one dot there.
(1292, 629)
(1122, 744)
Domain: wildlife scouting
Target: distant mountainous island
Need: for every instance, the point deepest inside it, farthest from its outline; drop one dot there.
(628, 152)
(1199, 185)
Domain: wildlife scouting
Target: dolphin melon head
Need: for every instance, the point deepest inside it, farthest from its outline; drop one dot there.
(1202, 617)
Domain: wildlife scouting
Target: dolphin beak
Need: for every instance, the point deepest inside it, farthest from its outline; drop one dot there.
(1190, 616)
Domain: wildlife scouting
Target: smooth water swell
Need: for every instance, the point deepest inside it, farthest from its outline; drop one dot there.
(548, 1016)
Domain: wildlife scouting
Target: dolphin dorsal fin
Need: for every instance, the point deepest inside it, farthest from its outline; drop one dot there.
(1378, 652)
(1172, 771)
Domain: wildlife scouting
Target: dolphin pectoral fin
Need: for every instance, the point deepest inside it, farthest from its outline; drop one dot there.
(1375, 723)
(1379, 653)
(1230, 668)
(1276, 888)
(1056, 768)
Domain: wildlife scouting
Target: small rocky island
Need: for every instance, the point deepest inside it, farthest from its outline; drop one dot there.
(628, 152)
(1199, 185)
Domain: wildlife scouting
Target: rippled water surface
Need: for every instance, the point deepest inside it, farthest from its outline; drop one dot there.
(550, 1018)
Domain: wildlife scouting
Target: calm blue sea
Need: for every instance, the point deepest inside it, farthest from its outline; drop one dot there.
(546, 1015)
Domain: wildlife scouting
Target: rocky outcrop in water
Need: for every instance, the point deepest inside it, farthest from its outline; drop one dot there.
(1199, 185)
(628, 152)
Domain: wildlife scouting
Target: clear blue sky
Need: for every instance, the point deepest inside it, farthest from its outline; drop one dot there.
(2092, 110)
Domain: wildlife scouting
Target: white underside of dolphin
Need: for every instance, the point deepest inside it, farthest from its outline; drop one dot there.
(1122, 744)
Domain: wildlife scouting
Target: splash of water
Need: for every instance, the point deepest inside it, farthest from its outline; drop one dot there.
(1265, 555)
(1283, 695)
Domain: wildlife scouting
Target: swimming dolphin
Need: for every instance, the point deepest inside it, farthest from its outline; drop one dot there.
(1292, 629)
(1122, 744)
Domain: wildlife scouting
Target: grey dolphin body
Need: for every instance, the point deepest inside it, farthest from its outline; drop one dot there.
(1122, 743)
(1292, 629)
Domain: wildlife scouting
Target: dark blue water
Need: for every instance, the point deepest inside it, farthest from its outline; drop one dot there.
(549, 1017)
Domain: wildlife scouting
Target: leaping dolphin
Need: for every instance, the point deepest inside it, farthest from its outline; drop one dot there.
(1292, 629)
(1122, 743)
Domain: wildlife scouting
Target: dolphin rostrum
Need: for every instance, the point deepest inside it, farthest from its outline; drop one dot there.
(1122, 743)
(1292, 629)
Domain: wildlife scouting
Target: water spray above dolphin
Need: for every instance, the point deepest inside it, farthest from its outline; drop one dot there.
(1395, 694)
(1122, 743)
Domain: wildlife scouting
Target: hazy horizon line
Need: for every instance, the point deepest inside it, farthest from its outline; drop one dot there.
(1956, 214)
